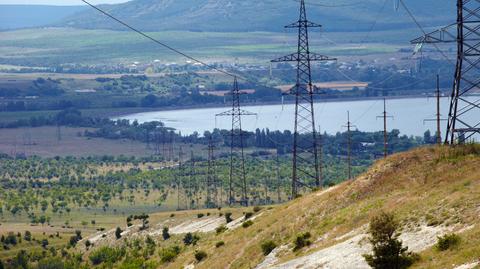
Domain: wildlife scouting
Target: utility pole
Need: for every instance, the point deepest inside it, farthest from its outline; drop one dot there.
(193, 185)
(320, 153)
(463, 118)
(438, 115)
(279, 179)
(349, 127)
(237, 190)
(180, 174)
(305, 152)
(59, 133)
(212, 182)
(385, 132)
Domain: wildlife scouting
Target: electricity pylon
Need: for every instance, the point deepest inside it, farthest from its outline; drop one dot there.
(237, 189)
(463, 118)
(305, 156)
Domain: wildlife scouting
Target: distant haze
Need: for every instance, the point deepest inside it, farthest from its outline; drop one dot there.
(58, 2)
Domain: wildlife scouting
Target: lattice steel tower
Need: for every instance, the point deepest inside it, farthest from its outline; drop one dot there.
(464, 115)
(305, 155)
(237, 190)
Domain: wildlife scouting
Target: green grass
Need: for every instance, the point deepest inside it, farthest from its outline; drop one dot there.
(89, 46)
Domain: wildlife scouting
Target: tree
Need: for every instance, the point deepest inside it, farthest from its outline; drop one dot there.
(388, 252)
(118, 233)
(165, 233)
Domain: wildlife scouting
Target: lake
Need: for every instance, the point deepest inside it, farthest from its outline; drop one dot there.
(408, 116)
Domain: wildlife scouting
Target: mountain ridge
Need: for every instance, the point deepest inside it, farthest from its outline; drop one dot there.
(250, 15)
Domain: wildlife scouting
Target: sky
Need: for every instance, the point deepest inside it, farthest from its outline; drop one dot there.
(57, 2)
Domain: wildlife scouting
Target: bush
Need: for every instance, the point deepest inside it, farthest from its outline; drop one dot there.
(219, 244)
(388, 251)
(228, 217)
(301, 241)
(50, 263)
(106, 255)
(257, 209)
(247, 224)
(248, 215)
(169, 254)
(200, 215)
(27, 236)
(190, 239)
(165, 233)
(268, 247)
(200, 255)
(447, 241)
(118, 233)
(220, 229)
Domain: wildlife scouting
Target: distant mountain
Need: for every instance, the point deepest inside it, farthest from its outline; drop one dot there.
(33, 16)
(261, 15)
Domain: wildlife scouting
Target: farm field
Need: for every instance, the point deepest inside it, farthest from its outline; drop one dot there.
(62, 45)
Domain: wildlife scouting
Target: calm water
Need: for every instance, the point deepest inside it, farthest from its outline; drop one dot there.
(409, 115)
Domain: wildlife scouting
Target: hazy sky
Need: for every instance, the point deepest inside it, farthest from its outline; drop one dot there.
(57, 2)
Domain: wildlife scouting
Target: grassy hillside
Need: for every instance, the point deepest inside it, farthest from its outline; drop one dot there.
(54, 46)
(267, 15)
(429, 189)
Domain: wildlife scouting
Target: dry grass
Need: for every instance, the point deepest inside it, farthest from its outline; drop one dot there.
(438, 186)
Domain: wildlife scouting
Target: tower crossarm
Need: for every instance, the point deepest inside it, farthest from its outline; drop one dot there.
(295, 57)
(303, 23)
(238, 112)
(447, 34)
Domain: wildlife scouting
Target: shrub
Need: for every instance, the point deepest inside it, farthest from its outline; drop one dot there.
(190, 239)
(27, 236)
(169, 254)
(447, 241)
(165, 233)
(220, 229)
(219, 244)
(248, 215)
(50, 263)
(247, 224)
(302, 240)
(118, 233)
(106, 255)
(228, 217)
(200, 255)
(88, 244)
(388, 251)
(268, 247)
(257, 209)
(200, 215)
(44, 243)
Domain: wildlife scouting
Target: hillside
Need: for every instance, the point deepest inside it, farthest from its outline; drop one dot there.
(267, 15)
(33, 16)
(433, 191)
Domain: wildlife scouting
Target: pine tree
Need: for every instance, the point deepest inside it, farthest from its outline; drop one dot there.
(388, 252)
